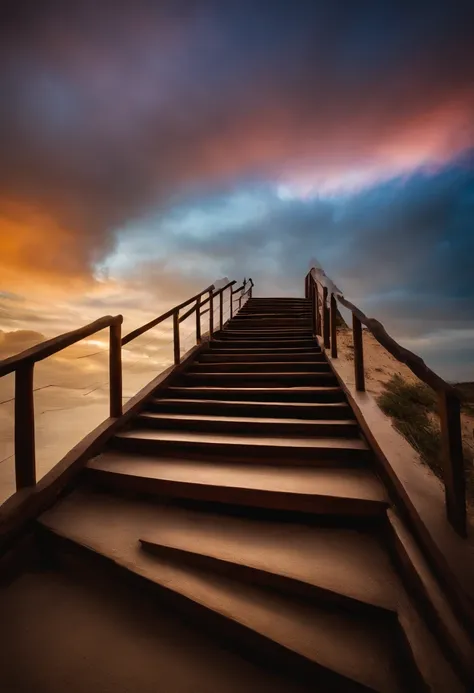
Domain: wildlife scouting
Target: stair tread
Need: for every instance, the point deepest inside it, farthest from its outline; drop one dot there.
(310, 481)
(253, 403)
(275, 364)
(353, 647)
(245, 419)
(249, 439)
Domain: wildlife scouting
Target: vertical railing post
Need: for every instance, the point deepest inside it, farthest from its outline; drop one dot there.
(221, 309)
(316, 309)
(211, 314)
(358, 354)
(115, 368)
(312, 296)
(231, 302)
(242, 293)
(177, 349)
(453, 460)
(198, 320)
(333, 326)
(25, 462)
(307, 285)
(325, 318)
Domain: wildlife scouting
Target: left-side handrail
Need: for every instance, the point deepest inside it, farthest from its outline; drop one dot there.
(156, 321)
(22, 365)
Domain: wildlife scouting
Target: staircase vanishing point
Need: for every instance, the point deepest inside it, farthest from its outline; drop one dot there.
(246, 494)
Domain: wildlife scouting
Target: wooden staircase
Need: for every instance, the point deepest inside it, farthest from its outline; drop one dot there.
(245, 492)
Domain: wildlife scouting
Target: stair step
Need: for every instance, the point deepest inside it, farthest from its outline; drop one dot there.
(244, 322)
(266, 343)
(265, 357)
(250, 448)
(311, 490)
(219, 347)
(318, 640)
(269, 333)
(246, 379)
(337, 410)
(329, 564)
(260, 394)
(279, 427)
(231, 366)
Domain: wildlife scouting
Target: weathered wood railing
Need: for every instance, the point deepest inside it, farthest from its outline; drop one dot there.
(23, 365)
(325, 296)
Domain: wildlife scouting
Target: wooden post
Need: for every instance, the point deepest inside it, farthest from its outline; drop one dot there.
(177, 354)
(115, 369)
(198, 320)
(333, 326)
(25, 462)
(316, 309)
(453, 461)
(325, 319)
(211, 315)
(307, 286)
(231, 302)
(358, 354)
(221, 310)
(312, 296)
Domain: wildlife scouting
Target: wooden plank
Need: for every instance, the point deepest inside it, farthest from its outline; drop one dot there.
(115, 370)
(325, 311)
(176, 345)
(156, 321)
(358, 354)
(52, 346)
(312, 296)
(221, 309)
(317, 315)
(25, 463)
(203, 303)
(211, 315)
(453, 461)
(333, 327)
(198, 320)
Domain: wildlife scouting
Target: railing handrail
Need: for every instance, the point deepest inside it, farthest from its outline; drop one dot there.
(156, 321)
(448, 397)
(203, 303)
(23, 364)
(414, 362)
(48, 347)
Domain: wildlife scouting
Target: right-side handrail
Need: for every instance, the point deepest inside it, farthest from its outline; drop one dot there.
(324, 311)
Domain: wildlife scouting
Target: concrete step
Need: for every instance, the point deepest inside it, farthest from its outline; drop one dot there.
(278, 427)
(250, 448)
(311, 394)
(336, 410)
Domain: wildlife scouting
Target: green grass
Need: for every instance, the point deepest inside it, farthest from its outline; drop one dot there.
(409, 405)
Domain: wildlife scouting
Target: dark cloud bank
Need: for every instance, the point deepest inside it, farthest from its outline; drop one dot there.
(114, 110)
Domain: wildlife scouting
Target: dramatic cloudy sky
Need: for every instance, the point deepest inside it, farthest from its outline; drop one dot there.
(149, 147)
